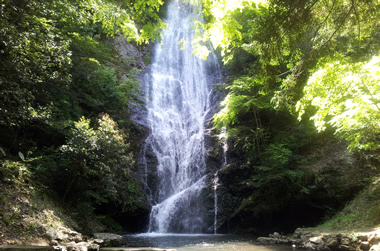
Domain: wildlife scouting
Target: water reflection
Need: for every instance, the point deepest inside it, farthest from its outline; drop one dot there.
(192, 242)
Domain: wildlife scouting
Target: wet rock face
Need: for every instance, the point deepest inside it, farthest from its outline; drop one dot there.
(129, 52)
(325, 242)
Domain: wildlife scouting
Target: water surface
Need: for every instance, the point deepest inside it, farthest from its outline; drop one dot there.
(192, 242)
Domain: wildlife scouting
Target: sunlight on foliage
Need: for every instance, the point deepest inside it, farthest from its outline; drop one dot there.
(246, 95)
(347, 96)
(222, 29)
(115, 19)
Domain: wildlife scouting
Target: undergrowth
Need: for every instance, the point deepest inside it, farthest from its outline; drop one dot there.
(360, 214)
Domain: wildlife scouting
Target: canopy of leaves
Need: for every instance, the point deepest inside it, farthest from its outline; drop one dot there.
(57, 65)
(294, 44)
(99, 164)
(347, 96)
(311, 59)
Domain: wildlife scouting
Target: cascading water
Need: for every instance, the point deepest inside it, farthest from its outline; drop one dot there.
(178, 102)
(222, 137)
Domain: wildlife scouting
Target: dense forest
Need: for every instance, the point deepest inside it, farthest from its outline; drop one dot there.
(65, 96)
(301, 106)
(302, 88)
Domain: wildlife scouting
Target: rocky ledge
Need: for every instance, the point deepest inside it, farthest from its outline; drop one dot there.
(315, 240)
(68, 240)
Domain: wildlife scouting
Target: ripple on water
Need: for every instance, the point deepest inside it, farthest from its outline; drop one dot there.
(207, 242)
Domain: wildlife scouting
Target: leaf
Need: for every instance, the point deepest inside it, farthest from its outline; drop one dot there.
(21, 156)
(2, 150)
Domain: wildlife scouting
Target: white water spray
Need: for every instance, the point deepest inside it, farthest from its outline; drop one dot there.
(222, 138)
(178, 102)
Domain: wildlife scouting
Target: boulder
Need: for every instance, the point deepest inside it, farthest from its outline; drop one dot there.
(332, 242)
(276, 235)
(109, 239)
(266, 240)
(297, 233)
(81, 246)
(374, 239)
(345, 241)
(316, 243)
(364, 245)
(328, 242)
(53, 234)
(316, 240)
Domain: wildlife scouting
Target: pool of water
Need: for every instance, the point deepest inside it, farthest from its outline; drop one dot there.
(192, 242)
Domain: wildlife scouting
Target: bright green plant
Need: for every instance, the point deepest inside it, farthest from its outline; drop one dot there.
(347, 96)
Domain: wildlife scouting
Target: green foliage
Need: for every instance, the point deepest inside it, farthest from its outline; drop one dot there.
(57, 64)
(99, 162)
(246, 95)
(93, 171)
(35, 58)
(298, 44)
(347, 96)
(15, 172)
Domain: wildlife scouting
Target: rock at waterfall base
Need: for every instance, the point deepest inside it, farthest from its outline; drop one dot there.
(325, 242)
(109, 239)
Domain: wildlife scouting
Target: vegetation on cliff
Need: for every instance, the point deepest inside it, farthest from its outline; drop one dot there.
(65, 93)
(317, 61)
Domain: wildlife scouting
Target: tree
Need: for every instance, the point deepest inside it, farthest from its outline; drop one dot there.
(346, 95)
(292, 41)
(99, 165)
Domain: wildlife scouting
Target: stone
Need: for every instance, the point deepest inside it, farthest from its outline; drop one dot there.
(93, 247)
(52, 234)
(345, 241)
(110, 240)
(364, 245)
(276, 235)
(309, 246)
(374, 239)
(78, 238)
(316, 240)
(317, 243)
(98, 241)
(81, 246)
(305, 236)
(128, 52)
(266, 240)
(332, 243)
(53, 243)
(298, 233)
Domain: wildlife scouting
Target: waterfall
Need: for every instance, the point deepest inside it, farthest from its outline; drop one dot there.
(222, 138)
(178, 93)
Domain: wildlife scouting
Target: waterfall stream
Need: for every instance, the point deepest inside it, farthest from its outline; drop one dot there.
(178, 102)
